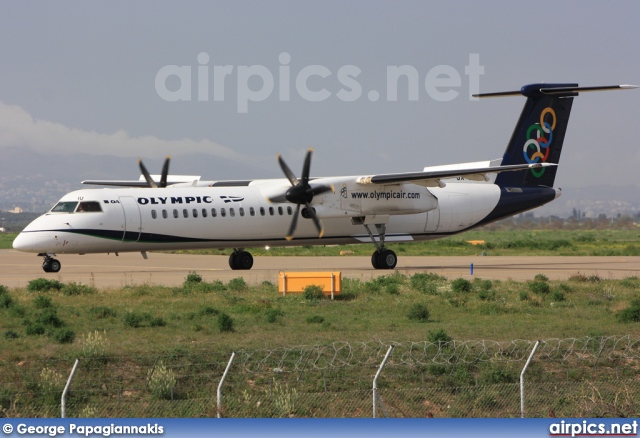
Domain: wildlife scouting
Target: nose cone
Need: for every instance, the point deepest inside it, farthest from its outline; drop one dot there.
(26, 242)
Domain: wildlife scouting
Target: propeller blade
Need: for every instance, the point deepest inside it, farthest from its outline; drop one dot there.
(316, 221)
(165, 172)
(289, 174)
(294, 223)
(278, 198)
(317, 190)
(306, 167)
(146, 175)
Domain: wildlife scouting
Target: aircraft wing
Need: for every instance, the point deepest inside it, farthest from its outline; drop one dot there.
(432, 178)
(171, 180)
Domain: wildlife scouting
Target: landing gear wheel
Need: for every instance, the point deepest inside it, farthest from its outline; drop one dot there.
(51, 265)
(241, 260)
(374, 260)
(386, 259)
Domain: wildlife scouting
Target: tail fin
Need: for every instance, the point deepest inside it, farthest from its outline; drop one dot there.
(540, 131)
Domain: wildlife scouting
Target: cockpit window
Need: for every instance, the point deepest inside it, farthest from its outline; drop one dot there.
(64, 207)
(88, 207)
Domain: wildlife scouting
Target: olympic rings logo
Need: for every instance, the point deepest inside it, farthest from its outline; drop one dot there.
(539, 137)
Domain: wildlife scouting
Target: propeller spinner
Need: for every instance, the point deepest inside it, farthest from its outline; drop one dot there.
(163, 176)
(301, 193)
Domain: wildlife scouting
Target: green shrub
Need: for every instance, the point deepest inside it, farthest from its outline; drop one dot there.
(273, 315)
(237, 284)
(524, 295)
(483, 285)
(225, 323)
(157, 322)
(207, 311)
(540, 277)
(418, 312)
(460, 285)
(49, 317)
(44, 285)
(42, 302)
(557, 295)
(17, 311)
(193, 277)
(486, 294)
(498, 375)
(313, 292)
(3, 289)
(62, 335)
(34, 329)
(101, 312)
(436, 369)
(6, 301)
(10, 334)
(539, 287)
(631, 313)
(133, 319)
(393, 289)
(630, 282)
(73, 288)
(315, 319)
(439, 337)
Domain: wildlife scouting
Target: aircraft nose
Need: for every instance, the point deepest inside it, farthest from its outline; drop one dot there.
(25, 242)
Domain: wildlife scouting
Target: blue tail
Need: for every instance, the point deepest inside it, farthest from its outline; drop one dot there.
(539, 134)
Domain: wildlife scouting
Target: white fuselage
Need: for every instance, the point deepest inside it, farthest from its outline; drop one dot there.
(145, 219)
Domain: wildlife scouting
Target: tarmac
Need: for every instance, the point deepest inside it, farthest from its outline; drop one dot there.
(110, 271)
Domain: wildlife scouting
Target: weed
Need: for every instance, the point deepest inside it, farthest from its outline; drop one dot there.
(34, 329)
(73, 288)
(237, 284)
(62, 335)
(161, 381)
(133, 319)
(439, 337)
(631, 313)
(44, 285)
(630, 282)
(102, 312)
(10, 334)
(273, 315)
(541, 277)
(6, 301)
(539, 287)
(315, 319)
(524, 295)
(225, 323)
(50, 381)
(3, 289)
(207, 311)
(193, 277)
(393, 289)
(42, 302)
(313, 293)
(418, 312)
(497, 375)
(49, 317)
(157, 322)
(460, 285)
(284, 399)
(94, 345)
(581, 278)
(557, 296)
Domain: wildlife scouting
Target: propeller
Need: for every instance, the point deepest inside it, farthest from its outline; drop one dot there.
(163, 176)
(301, 193)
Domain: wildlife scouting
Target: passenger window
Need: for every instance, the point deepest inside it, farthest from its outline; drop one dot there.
(89, 207)
(289, 210)
(213, 212)
(223, 212)
(280, 211)
(241, 211)
(164, 214)
(175, 213)
(232, 212)
(185, 213)
(270, 211)
(154, 215)
(261, 211)
(252, 211)
(195, 212)
(204, 212)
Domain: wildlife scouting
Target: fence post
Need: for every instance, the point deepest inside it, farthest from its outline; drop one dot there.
(375, 382)
(526, 365)
(63, 399)
(224, 376)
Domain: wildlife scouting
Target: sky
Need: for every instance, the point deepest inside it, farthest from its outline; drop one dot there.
(246, 80)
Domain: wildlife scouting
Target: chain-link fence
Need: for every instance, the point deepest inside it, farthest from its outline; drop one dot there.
(589, 377)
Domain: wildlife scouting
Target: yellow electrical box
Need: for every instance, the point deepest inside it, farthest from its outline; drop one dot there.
(295, 282)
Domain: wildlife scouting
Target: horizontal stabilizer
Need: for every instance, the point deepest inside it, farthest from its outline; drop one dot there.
(530, 90)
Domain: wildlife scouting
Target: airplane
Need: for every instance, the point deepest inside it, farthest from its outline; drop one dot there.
(171, 212)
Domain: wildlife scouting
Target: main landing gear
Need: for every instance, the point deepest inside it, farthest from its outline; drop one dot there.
(240, 260)
(50, 264)
(382, 258)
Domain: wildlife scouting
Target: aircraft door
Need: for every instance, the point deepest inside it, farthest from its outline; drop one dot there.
(132, 219)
